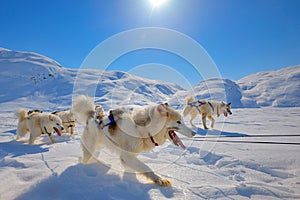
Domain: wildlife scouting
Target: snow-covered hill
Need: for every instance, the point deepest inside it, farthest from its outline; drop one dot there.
(278, 88)
(35, 81)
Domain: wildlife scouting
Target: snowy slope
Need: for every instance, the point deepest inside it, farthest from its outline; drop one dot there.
(279, 88)
(36, 81)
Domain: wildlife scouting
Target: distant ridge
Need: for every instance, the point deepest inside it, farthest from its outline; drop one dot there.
(39, 81)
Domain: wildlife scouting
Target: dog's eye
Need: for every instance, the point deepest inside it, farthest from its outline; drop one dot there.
(178, 122)
(57, 124)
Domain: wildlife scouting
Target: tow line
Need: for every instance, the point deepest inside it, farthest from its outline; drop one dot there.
(221, 139)
(246, 141)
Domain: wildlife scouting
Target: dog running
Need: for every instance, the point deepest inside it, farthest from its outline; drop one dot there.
(128, 131)
(37, 123)
(207, 108)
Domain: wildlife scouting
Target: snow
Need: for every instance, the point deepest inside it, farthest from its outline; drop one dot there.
(280, 88)
(267, 104)
(205, 170)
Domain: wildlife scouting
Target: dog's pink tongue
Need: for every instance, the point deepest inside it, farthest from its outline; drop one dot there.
(178, 140)
(57, 131)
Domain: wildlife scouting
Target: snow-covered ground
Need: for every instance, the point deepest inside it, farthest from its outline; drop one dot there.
(206, 170)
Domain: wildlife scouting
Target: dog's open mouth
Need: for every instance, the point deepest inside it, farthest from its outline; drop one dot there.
(57, 131)
(175, 139)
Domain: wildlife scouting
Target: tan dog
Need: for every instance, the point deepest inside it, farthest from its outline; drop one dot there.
(207, 108)
(129, 131)
(37, 124)
(68, 120)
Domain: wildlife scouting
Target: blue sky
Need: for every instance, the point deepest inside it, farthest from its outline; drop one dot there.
(241, 36)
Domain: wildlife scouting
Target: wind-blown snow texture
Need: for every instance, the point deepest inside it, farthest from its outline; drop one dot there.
(267, 103)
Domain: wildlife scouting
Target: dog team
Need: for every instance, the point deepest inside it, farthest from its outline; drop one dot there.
(126, 131)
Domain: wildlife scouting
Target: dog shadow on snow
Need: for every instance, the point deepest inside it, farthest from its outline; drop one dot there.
(22, 147)
(93, 182)
(16, 148)
(215, 132)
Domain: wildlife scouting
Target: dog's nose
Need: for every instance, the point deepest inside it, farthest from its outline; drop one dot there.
(62, 128)
(70, 126)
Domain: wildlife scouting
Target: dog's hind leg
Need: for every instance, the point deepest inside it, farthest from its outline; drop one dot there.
(212, 121)
(88, 145)
(135, 164)
(204, 121)
(21, 130)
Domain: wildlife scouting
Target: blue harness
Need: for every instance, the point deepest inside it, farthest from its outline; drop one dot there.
(111, 119)
(198, 104)
(194, 104)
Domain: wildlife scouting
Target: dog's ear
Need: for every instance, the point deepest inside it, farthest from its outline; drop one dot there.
(229, 104)
(223, 104)
(162, 110)
(51, 117)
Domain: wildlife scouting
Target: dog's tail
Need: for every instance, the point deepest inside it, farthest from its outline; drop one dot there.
(21, 114)
(83, 108)
(189, 99)
(188, 108)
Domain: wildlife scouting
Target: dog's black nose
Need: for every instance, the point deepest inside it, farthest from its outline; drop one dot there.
(70, 126)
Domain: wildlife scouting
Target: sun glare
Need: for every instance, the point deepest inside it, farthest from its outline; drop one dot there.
(157, 3)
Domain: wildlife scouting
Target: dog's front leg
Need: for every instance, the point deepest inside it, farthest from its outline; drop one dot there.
(33, 135)
(51, 137)
(72, 130)
(132, 162)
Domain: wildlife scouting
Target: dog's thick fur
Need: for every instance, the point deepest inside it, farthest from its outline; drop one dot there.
(207, 108)
(37, 124)
(133, 130)
(68, 120)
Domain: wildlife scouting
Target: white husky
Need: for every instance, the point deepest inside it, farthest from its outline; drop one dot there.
(128, 132)
(37, 124)
(68, 120)
(207, 108)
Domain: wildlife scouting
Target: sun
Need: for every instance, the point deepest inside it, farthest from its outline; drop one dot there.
(157, 3)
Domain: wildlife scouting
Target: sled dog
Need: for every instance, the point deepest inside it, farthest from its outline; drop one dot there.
(68, 120)
(128, 131)
(37, 123)
(207, 108)
(99, 112)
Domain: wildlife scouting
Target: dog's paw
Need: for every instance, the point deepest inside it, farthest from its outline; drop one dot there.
(163, 182)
